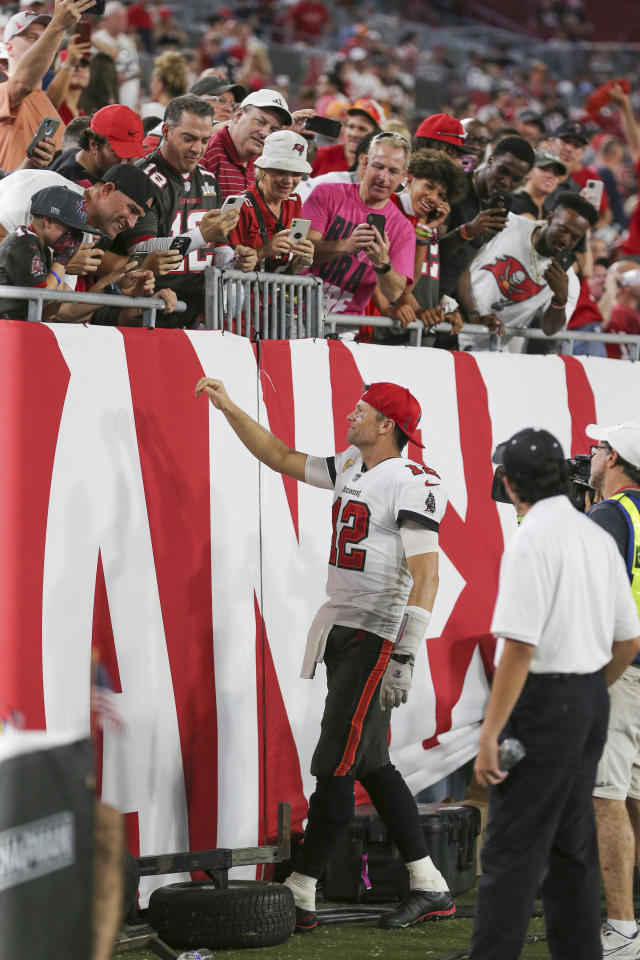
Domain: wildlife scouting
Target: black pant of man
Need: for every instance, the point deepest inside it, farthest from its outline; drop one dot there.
(353, 744)
(541, 833)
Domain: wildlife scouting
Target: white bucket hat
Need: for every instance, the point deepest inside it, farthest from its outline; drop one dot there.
(284, 150)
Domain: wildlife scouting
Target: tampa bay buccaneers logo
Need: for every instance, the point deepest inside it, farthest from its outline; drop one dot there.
(299, 147)
(513, 280)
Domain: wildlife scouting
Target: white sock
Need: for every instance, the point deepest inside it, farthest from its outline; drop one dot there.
(627, 928)
(423, 875)
(303, 889)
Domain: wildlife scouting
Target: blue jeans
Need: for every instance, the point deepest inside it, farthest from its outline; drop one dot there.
(589, 348)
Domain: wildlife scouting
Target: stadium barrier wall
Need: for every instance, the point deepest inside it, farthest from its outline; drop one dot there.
(133, 520)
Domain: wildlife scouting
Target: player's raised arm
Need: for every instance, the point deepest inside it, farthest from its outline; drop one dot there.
(259, 441)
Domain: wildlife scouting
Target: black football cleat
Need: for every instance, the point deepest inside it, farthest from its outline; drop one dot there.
(306, 920)
(419, 907)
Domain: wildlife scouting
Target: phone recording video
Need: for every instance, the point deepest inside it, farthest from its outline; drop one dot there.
(299, 229)
(502, 200)
(46, 129)
(181, 244)
(377, 220)
(325, 126)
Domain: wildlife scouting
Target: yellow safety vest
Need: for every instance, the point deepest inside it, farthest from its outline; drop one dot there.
(633, 551)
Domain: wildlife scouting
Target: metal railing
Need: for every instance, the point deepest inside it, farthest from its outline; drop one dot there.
(37, 296)
(419, 331)
(275, 306)
(265, 305)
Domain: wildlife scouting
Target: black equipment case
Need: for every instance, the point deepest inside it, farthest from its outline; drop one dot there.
(367, 868)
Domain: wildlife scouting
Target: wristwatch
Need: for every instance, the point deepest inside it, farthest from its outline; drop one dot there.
(384, 268)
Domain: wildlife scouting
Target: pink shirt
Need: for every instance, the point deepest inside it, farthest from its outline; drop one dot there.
(335, 210)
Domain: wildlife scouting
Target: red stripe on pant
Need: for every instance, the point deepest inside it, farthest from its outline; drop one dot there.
(357, 722)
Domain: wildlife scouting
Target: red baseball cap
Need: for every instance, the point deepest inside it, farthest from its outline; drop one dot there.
(371, 109)
(440, 126)
(122, 128)
(397, 404)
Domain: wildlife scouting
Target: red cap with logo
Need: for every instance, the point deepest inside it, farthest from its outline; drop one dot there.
(397, 404)
(441, 126)
(371, 108)
(122, 128)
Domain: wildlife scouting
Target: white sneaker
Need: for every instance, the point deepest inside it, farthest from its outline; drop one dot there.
(619, 947)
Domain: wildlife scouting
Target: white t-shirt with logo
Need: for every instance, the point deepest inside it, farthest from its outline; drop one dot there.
(507, 277)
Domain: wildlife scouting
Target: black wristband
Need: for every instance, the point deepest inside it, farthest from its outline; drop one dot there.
(403, 658)
(384, 268)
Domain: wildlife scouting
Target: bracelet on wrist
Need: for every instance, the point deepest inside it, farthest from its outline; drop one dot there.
(56, 275)
(558, 305)
(464, 233)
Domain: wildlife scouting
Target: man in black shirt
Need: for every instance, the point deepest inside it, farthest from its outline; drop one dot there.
(187, 205)
(483, 211)
(114, 135)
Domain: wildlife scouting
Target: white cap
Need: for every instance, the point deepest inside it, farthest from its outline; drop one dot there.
(284, 150)
(113, 6)
(624, 438)
(20, 21)
(269, 100)
(358, 53)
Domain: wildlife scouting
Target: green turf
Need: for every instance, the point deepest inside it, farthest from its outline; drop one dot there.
(363, 941)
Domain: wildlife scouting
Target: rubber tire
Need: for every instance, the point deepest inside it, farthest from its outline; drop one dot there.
(247, 914)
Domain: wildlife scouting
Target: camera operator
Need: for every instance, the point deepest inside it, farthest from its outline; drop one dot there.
(566, 626)
(615, 474)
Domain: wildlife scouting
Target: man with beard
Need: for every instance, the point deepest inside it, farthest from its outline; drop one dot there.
(114, 135)
(482, 212)
(187, 205)
(518, 272)
(114, 204)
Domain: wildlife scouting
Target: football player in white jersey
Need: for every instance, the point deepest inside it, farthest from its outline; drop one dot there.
(382, 584)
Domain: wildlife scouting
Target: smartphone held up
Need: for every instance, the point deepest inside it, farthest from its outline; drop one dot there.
(377, 220)
(46, 129)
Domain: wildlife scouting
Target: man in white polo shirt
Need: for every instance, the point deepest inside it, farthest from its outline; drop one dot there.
(567, 627)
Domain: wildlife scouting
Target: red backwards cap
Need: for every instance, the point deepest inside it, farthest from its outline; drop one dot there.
(397, 404)
(441, 126)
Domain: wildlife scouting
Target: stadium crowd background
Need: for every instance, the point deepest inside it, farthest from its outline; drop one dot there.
(461, 59)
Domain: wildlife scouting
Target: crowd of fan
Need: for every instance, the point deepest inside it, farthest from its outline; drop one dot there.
(508, 208)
